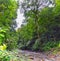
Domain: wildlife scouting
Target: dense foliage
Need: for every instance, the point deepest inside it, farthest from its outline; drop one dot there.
(40, 32)
(8, 14)
(8, 39)
(42, 29)
(7, 56)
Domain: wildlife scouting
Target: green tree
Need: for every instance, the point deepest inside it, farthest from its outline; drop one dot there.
(8, 14)
(42, 25)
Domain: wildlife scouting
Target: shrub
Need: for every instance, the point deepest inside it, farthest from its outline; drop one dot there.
(8, 38)
(49, 45)
(4, 56)
(36, 45)
(7, 56)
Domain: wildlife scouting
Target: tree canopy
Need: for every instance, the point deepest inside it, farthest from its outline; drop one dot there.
(8, 15)
(43, 25)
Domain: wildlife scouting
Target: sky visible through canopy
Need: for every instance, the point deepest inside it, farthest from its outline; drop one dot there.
(20, 17)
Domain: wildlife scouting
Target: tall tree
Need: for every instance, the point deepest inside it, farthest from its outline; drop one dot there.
(8, 14)
(42, 24)
(31, 9)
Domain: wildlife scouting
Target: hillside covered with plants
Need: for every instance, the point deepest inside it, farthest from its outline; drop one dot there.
(40, 30)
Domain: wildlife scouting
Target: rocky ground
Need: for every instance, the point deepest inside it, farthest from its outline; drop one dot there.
(38, 56)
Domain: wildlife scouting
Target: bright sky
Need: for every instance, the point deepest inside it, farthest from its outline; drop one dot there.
(20, 17)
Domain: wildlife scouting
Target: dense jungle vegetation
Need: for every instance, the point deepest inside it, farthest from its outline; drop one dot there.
(39, 32)
(42, 26)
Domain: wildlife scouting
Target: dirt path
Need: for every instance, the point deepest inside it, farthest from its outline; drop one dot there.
(33, 56)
